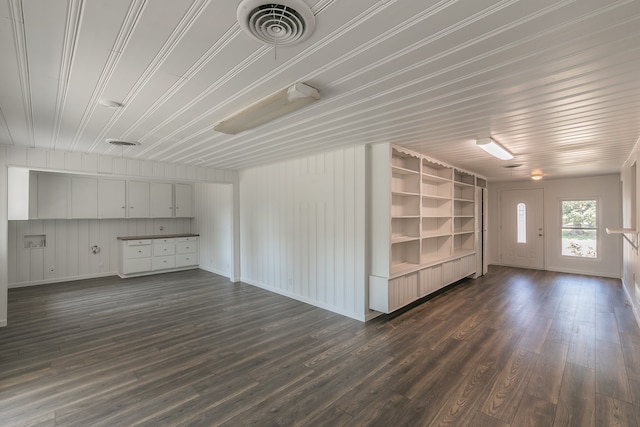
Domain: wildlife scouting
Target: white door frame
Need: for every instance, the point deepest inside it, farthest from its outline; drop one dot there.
(500, 223)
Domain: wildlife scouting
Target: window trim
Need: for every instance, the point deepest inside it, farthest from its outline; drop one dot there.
(597, 227)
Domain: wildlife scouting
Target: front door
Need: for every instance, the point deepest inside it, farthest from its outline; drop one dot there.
(521, 228)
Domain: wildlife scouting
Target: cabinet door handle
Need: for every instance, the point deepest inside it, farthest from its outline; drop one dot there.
(139, 252)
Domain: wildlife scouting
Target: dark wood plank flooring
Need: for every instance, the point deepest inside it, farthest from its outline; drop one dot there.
(514, 348)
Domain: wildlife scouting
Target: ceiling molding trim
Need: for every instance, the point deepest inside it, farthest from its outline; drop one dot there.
(187, 21)
(126, 31)
(5, 126)
(20, 44)
(211, 53)
(371, 11)
(74, 18)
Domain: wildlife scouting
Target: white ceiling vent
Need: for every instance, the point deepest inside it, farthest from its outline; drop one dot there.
(280, 24)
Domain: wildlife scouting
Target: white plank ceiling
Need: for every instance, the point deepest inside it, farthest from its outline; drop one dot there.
(555, 81)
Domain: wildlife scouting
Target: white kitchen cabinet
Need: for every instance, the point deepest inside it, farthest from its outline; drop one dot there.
(51, 195)
(183, 200)
(161, 200)
(112, 198)
(84, 197)
(138, 199)
(144, 255)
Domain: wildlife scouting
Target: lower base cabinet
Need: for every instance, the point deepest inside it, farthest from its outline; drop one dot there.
(388, 295)
(142, 256)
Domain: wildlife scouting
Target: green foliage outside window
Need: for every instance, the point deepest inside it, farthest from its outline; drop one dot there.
(579, 228)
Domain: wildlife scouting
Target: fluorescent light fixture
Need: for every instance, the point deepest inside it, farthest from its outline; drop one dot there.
(493, 148)
(270, 108)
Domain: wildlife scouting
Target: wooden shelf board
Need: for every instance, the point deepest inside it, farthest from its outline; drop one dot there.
(404, 193)
(435, 178)
(435, 197)
(404, 171)
(402, 269)
(403, 239)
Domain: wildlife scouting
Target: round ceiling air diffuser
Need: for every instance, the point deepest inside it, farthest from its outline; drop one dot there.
(122, 142)
(280, 24)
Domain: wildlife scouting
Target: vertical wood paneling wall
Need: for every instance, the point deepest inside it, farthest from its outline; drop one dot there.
(4, 283)
(631, 205)
(68, 254)
(302, 229)
(71, 257)
(214, 222)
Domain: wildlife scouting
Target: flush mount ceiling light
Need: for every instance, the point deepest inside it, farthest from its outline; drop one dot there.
(122, 142)
(273, 106)
(284, 23)
(536, 177)
(110, 103)
(493, 148)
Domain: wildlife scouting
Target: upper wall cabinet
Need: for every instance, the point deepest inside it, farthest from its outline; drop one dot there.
(84, 197)
(183, 200)
(139, 198)
(113, 199)
(161, 200)
(48, 195)
(51, 195)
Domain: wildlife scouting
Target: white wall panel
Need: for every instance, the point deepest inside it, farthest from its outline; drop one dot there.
(302, 228)
(69, 242)
(214, 222)
(605, 188)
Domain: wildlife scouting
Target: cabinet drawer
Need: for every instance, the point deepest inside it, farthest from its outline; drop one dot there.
(186, 247)
(163, 262)
(142, 251)
(138, 242)
(163, 241)
(137, 265)
(184, 260)
(161, 249)
(187, 239)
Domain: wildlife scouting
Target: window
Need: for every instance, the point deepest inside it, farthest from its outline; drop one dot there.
(522, 222)
(580, 228)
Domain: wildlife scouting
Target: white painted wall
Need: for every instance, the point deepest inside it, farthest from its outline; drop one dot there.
(68, 250)
(302, 229)
(214, 222)
(81, 232)
(630, 258)
(605, 188)
(3, 238)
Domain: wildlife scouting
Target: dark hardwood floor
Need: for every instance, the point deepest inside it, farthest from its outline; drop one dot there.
(514, 348)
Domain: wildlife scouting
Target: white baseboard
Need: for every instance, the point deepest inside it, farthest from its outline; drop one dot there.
(306, 300)
(215, 271)
(61, 279)
(631, 301)
(584, 273)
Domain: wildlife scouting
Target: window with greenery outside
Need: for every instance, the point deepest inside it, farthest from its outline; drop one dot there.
(580, 228)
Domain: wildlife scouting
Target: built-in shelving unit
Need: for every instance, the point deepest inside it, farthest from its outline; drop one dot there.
(424, 226)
